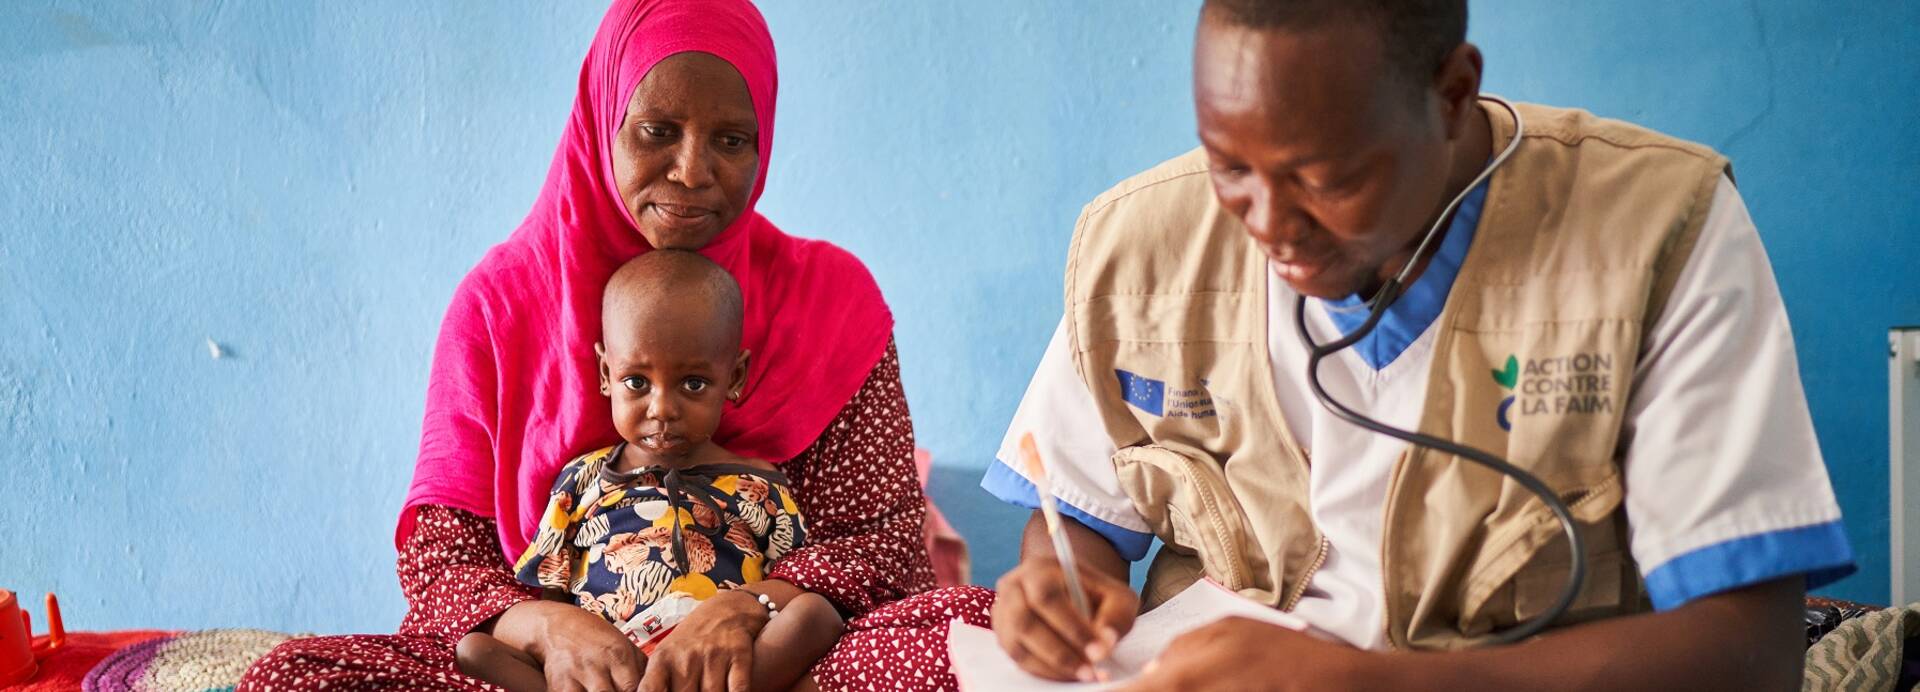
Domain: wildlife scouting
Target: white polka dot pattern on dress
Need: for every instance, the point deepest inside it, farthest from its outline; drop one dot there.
(860, 492)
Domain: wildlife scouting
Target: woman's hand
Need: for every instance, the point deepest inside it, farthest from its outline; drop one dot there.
(1037, 625)
(577, 650)
(1243, 654)
(711, 650)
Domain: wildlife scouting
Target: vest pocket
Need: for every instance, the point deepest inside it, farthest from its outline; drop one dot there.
(1522, 578)
(1538, 586)
(1186, 501)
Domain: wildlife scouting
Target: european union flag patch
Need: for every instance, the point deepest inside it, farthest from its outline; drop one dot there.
(1145, 394)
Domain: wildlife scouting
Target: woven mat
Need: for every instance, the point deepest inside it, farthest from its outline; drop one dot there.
(188, 662)
(64, 670)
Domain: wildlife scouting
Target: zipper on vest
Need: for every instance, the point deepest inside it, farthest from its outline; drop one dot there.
(1264, 368)
(1304, 458)
(1300, 590)
(1217, 524)
(1386, 528)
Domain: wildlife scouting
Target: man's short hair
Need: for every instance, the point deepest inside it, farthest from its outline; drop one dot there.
(1418, 34)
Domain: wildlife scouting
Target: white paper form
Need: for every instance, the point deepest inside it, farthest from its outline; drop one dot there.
(980, 664)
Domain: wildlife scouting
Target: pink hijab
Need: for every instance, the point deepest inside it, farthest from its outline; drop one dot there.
(514, 391)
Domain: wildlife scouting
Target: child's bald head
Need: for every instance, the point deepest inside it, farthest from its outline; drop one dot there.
(673, 290)
(670, 353)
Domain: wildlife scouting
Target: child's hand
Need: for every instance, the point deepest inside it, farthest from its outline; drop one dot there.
(805, 630)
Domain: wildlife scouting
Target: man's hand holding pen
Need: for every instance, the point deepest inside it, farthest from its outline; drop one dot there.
(1037, 624)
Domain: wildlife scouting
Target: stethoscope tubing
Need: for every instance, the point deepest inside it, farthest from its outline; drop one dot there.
(1378, 304)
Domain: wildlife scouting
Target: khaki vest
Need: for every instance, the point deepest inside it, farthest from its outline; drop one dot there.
(1581, 237)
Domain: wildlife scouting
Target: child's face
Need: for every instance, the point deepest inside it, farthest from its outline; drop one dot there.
(668, 371)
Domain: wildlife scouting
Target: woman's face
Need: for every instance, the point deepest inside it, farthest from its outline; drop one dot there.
(685, 157)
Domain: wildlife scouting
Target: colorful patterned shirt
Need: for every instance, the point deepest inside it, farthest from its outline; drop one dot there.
(641, 548)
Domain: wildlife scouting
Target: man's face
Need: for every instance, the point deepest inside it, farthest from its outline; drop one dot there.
(1335, 166)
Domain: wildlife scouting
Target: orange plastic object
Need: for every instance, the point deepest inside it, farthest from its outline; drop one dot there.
(56, 630)
(20, 654)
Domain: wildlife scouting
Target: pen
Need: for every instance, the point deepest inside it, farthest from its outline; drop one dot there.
(1062, 549)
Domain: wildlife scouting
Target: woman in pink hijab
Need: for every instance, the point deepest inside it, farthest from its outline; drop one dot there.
(667, 147)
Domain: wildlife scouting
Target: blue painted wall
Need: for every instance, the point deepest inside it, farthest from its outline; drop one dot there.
(303, 183)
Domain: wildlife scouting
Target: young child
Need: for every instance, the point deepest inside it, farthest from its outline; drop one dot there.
(640, 533)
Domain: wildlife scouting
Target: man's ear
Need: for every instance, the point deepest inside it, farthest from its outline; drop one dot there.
(600, 356)
(1457, 86)
(740, 375)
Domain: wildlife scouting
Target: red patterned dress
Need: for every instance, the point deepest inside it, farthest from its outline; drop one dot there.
(859, 490)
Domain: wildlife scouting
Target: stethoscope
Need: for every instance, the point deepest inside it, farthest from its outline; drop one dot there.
(1378, 304)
